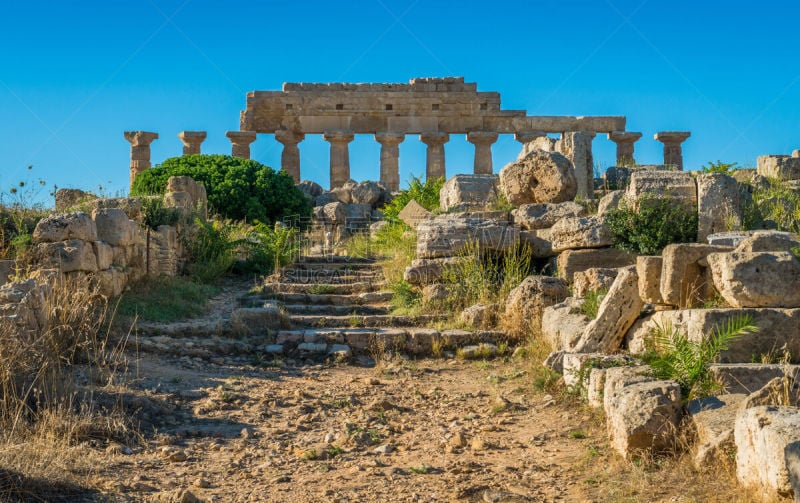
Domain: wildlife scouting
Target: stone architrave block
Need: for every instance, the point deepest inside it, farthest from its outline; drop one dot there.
(768, 450)
(575, 233)
(65, 226)
(761, 279)
(617, 312)
(69, 256)
(644, 417)
(782, 167)
(685, 278)
(539, 177)
(545, 215)
(464, 192)
(571, 261)
(413, 213)
(718, 207)
(677, 186)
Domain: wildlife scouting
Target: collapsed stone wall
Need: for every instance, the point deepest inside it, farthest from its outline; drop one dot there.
(104, 240)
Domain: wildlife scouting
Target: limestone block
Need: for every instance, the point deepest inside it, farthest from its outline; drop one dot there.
(783, 390)
(575, 233)
(258, 320)
(648, 268)
(572, 261)
(179, 199)
(718, 207)
(778, 328)
(593, 280)
(761, 279)
(413, 213)
(617, 378)
(617, 177)
(539, 177)
(64, 226)
(367, 193)
(434, 294)
(644, 417)
(768, 450)
(449, 235)
(334, 213)
(677, 186)
(463, 192)
(617, 312)
(104, 253)
(685, 279)
(539, 242)
(111, 282)
(610, 201)
(69, 256)
(310, 189)
(713, 419)
(357, 216)
(768, 241)
(526, 302)
(545, 215)
(576, 366)
(71, 199)
(782, 167)
(748, 378)
(731, 239)
(479, 315)
(563, 324)
(132, 206)
(114, 227)
(577, 147)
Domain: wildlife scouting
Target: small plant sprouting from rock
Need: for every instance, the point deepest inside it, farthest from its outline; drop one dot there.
(672, 355)
(592, 301)
(719, 167)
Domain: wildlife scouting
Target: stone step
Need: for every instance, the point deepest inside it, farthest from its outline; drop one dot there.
(329, 310)
(307, 275)
(330, 279)
(750, 377)
(356, 321)
(336, 266)
(334, 259)
(324, 288)
(355, 299)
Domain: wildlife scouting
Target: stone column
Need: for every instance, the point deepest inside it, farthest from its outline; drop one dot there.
(290, 157)
(434, 159)
(577, 147)
(140, 151)
(673, 152)
(624, 141)
(340, 156)
(191, 141)
(240, 143)
(390, 158)
(483, 150)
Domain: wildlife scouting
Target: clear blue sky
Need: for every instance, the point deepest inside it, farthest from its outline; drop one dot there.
(75, 74)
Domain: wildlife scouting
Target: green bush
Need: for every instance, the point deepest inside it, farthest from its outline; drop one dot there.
(426, 194)
(657, 223)
(239, 189)
(719, 167)
(268, 249)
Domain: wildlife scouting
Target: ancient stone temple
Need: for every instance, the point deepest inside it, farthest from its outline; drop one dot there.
(433, 108)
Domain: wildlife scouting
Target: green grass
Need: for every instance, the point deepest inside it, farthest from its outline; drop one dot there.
(591, 304)
(166, 300)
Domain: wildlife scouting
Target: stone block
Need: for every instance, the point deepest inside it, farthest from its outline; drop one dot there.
(782, 167)
(572, 261)
(563, 324)
(760, 279)
(539, 242)
(677, 186)
(111, 282)
(748, 378)
(648, 268)
(463, 192)
(768, 241)
(526, 302)
(71, 199)
(730, 239)
(367, 192)
(545, 215)
(617, 378)
(65, 226)
(413, 213)
(104, 253)
(617, 312)
(644, 417)
(258, 320)
(718, 207)
(685, 278)
(114, 227)
(576, 233)
(768, 450)
(427, 271)
(610, 201)
(69, 256)
(593, 280)
(713, 419)
(132, 206)
(539, 177)
(450, 235)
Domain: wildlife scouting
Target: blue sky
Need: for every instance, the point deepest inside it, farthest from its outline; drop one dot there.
(75, 74)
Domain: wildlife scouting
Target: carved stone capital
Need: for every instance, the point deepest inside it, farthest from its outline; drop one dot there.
(390, 139)
(340, 136)
(433, 138)
(288, 137)
(140, 138)
(672, 137)
(482, 137)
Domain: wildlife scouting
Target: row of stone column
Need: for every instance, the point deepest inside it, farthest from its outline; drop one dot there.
(390, 150)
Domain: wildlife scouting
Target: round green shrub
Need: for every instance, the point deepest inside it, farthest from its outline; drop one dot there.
(657, 223)
(239, 189)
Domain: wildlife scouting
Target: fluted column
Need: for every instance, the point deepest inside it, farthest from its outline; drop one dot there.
(240, 143)
(483, 150)
(340, 156)
(673, 152)
(140, 151)
(624, 141)
(191, 141)
(290, 157)
(434, 158)
(390, 158)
